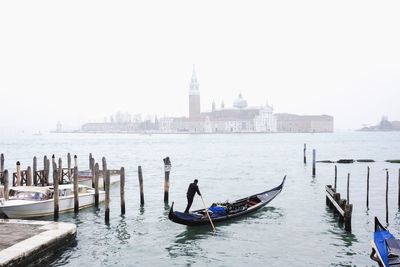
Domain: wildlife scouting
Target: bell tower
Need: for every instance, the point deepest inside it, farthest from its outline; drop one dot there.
(194, 96)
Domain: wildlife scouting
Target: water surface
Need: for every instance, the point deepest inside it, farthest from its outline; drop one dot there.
(295, 229)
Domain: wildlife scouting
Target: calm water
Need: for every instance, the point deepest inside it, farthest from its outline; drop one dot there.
(295, 229)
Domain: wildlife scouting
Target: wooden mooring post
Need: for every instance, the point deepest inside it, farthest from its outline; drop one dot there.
(140, 176)
(34, 170)
(90, 161)
(75, 161)
(44, 178)
(387, 197)
(340, 206)
(367, 187)
(47, 177)
(56, 194)
(54, 166)
(104, 163)
(29, 176)
(122, 190)
(44, 162)
(18, 174)
(96, 185)
(106, 177)
(69, 173)
(313, 162)
(335, 177)
(304, 154)
(76, 190)
(167, 169)
(92, 170)
(60, 171)
(2, 162)
(53, 160)
(6, 184)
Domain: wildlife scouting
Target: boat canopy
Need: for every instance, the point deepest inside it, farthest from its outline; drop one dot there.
(38, 189)
(30, 193)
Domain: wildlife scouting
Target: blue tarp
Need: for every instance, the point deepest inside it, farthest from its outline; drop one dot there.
(379, 239)
(219, 210)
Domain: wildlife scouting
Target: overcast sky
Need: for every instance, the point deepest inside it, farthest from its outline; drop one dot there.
(78, 61)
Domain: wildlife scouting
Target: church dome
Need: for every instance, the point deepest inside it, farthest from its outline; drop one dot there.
(240, 102)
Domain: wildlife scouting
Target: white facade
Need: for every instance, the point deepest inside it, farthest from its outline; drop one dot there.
(165, 124)
(265, 121)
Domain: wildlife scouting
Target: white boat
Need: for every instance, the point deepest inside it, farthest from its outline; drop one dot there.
(35, 201)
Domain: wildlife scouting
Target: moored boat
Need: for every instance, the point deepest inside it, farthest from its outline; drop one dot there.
(385, 247)
(35, 201)
(225, 211)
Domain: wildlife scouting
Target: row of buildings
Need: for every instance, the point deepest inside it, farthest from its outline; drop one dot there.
(239, 118)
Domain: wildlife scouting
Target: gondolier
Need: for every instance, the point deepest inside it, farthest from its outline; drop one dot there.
(192, 190)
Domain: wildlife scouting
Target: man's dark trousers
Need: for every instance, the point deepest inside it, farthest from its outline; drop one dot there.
(190, 201)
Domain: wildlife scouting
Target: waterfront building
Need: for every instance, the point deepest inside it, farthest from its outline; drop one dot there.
(384, 125)
(236, 119)
(304, 123)
(109, 127)
(239, 118)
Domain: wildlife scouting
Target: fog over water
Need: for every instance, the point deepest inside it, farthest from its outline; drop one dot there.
(78, 61)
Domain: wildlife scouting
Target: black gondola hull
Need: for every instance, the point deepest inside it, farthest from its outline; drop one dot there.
(196, 219)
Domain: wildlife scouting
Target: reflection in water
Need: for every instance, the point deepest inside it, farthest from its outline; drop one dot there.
(348, 239)
(166, 207)
(339, 233)
(188, 243)
(121, 231)
(141, 210)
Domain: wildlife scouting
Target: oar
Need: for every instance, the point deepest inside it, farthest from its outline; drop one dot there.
(208, 215)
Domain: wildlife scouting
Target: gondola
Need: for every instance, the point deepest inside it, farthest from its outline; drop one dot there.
(225, 211)
(385, 247)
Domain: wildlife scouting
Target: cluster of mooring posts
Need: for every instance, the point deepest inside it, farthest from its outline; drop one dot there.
(70, 175)
(343, 206)
(340, 206)
(28, 245)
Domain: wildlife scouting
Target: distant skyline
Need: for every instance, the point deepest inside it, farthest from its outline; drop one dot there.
(79, 61)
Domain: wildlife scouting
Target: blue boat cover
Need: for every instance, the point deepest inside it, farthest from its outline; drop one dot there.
(217, 210)
(379, 240)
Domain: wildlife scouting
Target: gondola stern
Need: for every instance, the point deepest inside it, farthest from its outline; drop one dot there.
(283, 181)
(171, 214)
(378, 226)
(279, 187)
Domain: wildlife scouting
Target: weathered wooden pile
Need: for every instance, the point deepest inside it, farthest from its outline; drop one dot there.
(340, 206)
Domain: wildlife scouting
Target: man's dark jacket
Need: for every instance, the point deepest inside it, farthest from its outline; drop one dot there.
(193, 188)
